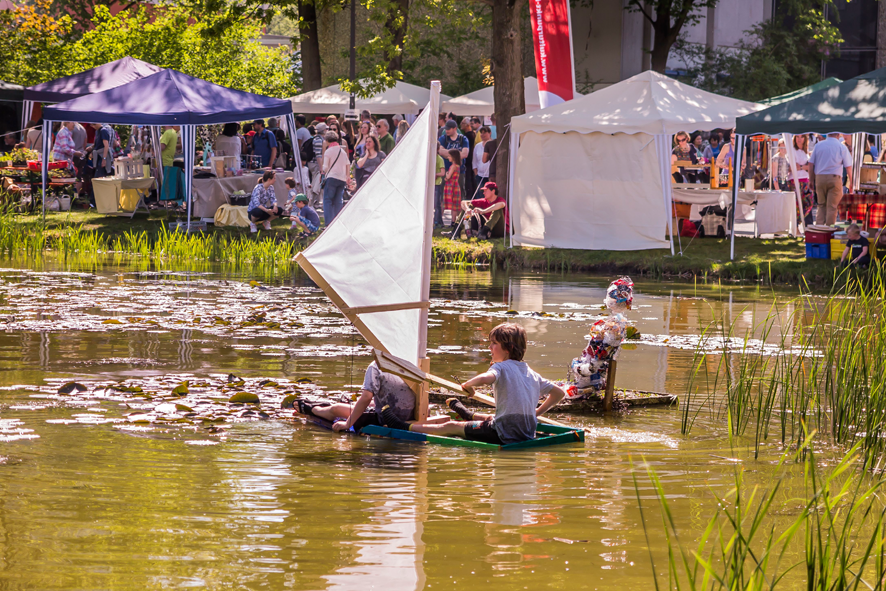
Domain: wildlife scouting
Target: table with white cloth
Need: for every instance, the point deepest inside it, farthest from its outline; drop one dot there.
(210, 194)
(774, 212)
(121, 196)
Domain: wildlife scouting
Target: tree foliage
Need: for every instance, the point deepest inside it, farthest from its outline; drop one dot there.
(167, 36)
(668, 19)
(33, 43)
(777, 56)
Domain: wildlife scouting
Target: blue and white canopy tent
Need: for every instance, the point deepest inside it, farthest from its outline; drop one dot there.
(166, 98)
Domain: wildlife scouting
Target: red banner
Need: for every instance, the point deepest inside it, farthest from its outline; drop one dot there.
(551, 32)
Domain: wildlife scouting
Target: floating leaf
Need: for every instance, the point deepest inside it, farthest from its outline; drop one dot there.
(184, 408)
(511, 312)
(111, 321)
(267, 384)
(289, 401)
(70, 387)
(304, 381)
(181, 389)
(628, 346)
(244, 398)
(254, 284)
(633, 333)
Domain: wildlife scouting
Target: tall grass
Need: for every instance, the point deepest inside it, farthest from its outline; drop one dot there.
(836, 542)
(827, 370)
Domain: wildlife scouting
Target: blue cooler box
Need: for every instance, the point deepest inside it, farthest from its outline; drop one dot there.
(818, 251)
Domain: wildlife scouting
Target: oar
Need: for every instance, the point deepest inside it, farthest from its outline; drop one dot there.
(409, 371)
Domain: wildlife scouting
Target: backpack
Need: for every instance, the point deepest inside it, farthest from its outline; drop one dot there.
(307, 150)
(714, 221)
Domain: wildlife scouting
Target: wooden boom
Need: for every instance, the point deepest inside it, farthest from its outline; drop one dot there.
(409, 371)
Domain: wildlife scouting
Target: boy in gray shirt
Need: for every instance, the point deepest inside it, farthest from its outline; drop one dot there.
(517, 390)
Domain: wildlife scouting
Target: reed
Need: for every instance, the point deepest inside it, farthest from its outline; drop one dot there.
(824, 367)
(838, 538)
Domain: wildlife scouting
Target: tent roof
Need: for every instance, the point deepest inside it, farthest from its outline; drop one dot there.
(168, 98)
(857, 105)
(104, 77)
(481, 103)
(419, 94)
(11, 92)
(646, 103)
(333, 99)
(789, 96)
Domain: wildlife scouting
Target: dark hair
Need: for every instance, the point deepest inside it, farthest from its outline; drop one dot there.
(268, 175)
(456, 156)
(485, 129)
(231, 129)
(375, 143)
(301, 119)
(715, 137)
(476, 120)
(727, 136)
(290, 182)
(512, 338)
(247, 127)
(800, 135)
(312, 130)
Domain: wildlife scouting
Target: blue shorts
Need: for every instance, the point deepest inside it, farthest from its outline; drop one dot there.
(308, 223)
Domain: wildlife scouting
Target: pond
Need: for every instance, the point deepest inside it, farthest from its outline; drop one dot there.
(97, 494)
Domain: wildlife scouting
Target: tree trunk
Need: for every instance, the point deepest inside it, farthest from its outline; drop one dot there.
(881, 35)
(396, 25)
(507, 70)
(661, 43)
(309, 42)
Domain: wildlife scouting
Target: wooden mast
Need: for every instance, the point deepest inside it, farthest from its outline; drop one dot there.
(421, 391)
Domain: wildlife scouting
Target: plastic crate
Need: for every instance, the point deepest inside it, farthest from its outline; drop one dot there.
(818, 251)
(837, 248)
(815, 237)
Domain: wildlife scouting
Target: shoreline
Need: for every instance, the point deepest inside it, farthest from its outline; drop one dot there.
(779, 261)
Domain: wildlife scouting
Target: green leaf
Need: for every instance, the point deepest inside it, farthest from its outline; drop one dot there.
(70, 387)
(245, 398)
(181, 389)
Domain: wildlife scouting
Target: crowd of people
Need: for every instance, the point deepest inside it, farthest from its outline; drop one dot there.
(331, 158)
(823, 166)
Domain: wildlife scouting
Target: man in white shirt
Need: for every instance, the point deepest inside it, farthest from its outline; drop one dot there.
(481, 169)
(301, 132)
(826, 164)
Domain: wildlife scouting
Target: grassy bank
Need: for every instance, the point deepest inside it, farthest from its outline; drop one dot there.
(779, 261)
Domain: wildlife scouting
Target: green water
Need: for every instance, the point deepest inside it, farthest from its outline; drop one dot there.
(275, 504)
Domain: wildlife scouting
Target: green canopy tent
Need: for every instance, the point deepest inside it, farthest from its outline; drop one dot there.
(795, 94)
(11, 92)
(855, 106)
(12, 98)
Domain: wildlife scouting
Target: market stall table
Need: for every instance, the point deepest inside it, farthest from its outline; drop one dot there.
(870, 207)
(775, 211)
(212, 193)
(112, 196)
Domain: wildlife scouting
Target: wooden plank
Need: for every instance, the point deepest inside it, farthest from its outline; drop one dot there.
(610, 386)
(386, 308)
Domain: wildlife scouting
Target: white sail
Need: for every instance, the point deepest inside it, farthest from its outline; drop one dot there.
(373, 261)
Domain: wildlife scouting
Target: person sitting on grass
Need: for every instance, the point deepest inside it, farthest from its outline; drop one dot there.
(487, 217)
(304, 216)
(517, 389)
(856, 248)
(263, 205)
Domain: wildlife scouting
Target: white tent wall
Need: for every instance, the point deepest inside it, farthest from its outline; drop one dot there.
(589, 191)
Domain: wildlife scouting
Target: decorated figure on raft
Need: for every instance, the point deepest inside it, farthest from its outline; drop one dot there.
(588, 373)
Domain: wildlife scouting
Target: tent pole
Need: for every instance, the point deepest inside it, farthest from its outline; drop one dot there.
(158, 157)
(736, 183)
(189, 145)
(44, 166)
(513, 147)
(27, 109)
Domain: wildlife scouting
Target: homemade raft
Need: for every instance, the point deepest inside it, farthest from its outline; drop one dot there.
(374, 262)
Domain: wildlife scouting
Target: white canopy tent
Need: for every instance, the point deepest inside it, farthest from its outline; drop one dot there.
(595, 172)
(332, 99)
(481, 103)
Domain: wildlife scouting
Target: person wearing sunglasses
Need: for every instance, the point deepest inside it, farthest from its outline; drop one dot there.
(684, 152)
